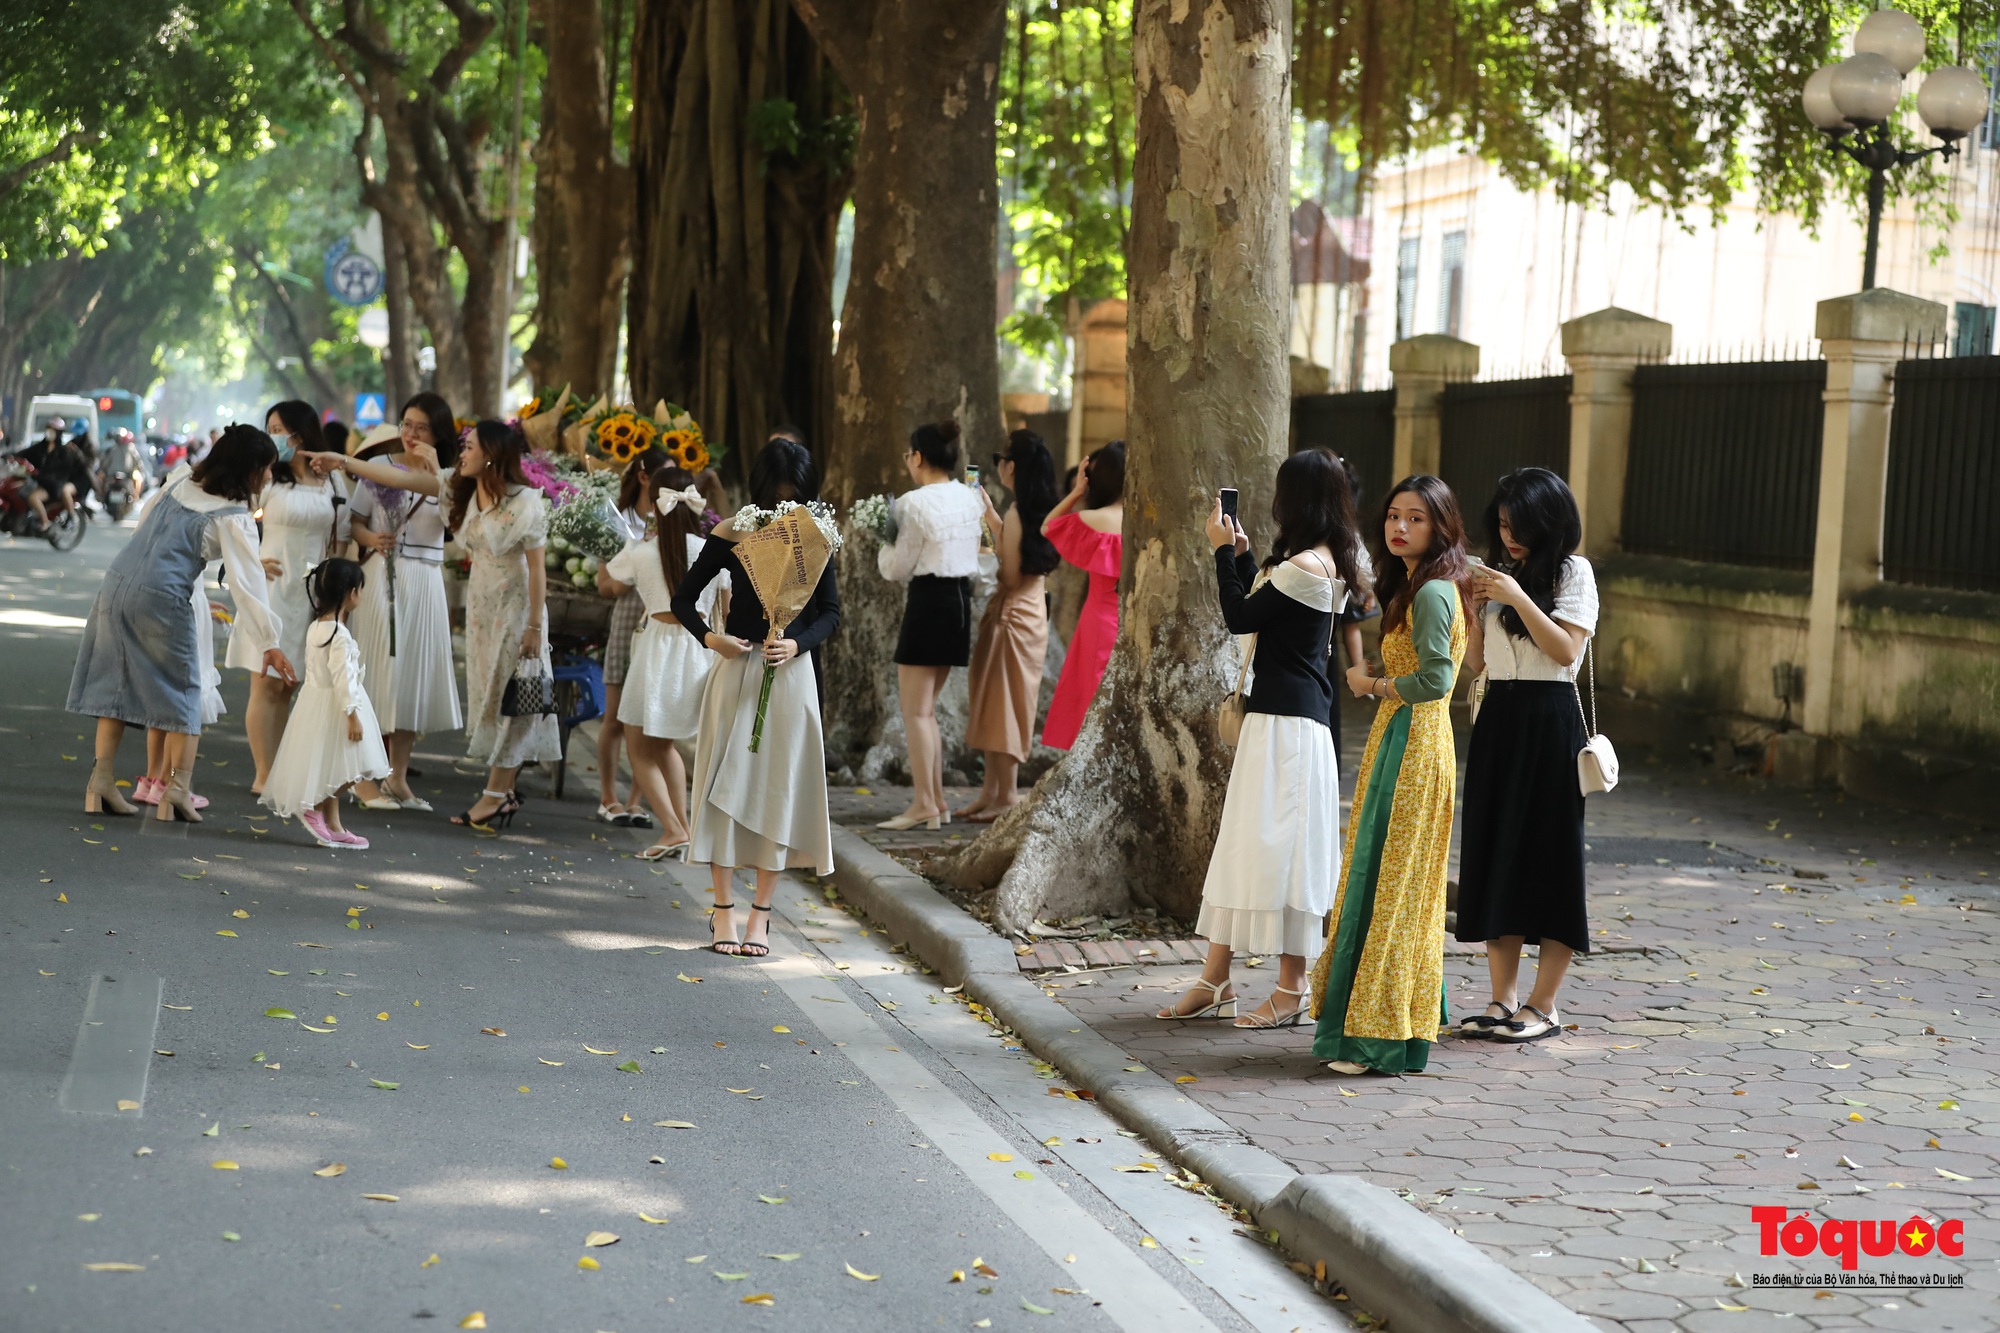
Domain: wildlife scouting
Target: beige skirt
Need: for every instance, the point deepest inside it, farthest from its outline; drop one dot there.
(766, 809)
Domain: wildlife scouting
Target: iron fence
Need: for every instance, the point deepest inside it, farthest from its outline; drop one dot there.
(1360, 427)
(1488, 428)
(1723, 463)
(1944, 474)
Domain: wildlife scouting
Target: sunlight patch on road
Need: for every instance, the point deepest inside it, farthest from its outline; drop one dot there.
(40, 619)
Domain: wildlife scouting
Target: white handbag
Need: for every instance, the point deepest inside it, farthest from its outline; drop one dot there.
(1596, 762)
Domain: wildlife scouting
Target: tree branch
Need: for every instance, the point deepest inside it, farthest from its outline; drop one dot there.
(328, 394)
(355, 32)
(474, 28)
(841, 27)
(332, 53)
(15, 177)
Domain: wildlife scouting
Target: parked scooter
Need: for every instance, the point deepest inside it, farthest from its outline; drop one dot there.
(118, 495)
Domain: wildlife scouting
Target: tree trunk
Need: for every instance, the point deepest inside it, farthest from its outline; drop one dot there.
(1131, 813)
(917, 336)
(740, 172)
(399, 358)
(583, 206)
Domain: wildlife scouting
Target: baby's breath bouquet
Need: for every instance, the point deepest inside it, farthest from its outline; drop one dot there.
(586, 521)
(783, 552)
(876, 514)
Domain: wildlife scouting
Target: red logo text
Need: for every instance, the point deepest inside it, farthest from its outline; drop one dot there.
(1844, 1240)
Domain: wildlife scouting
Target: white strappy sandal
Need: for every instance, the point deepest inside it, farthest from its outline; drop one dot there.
(1217, 1007)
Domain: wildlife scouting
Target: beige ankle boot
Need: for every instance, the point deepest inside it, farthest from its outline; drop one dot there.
(101, 796)
(174, 799)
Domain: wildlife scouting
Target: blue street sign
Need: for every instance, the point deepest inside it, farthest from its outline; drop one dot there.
(370, 410)
(352, 278)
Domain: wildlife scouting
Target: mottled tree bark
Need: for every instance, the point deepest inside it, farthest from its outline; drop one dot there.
(583, 206)
(917, 330)
(1131, 813)
(739, 157)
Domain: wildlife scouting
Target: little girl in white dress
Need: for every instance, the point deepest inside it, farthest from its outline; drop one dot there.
(332, 740)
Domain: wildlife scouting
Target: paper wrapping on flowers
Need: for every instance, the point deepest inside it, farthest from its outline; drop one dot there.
(784, 560)
(543, 428)
(588, 522)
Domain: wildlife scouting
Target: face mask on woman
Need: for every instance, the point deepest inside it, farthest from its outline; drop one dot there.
(285, 449)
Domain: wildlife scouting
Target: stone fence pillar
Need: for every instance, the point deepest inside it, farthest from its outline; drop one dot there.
(1602, 348)
(1423, 365)
(1862, 337)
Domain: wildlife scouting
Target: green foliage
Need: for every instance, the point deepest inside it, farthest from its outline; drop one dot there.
(1065, 143)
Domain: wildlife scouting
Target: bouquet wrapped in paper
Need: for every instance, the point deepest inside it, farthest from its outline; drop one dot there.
(783, 553)
(587, 520)
(876, 514)
(541, 421)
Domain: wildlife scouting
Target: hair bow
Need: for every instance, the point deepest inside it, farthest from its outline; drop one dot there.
(691, 497)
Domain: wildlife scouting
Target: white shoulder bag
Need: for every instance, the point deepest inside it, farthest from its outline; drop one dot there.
(1596, 762)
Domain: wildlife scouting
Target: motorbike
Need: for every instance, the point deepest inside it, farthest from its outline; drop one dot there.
(117, 497)
(65, 528)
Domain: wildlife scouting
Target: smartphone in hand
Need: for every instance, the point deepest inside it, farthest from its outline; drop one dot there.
(972, 475)
(1228, 496)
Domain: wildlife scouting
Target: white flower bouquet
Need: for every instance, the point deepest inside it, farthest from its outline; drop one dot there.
(876, 514)
(586, 522)
(783, 552)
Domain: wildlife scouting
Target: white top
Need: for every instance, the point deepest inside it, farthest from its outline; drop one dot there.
(333, 662)
(422, 536)
(633, 526)
(1509, 658)
(638, 566)
(937, 532)
(233, 540)
(1322, 592)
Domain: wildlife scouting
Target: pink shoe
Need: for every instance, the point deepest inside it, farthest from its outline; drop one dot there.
(146, 791)
(315, 824)
(198, 802)
(347, 839)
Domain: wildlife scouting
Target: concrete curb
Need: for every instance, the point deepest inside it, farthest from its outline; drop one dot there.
(1394, 1261)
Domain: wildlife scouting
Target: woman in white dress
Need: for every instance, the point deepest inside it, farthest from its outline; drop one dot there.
(766, 808)
(426, 674)
(634, 511)
(374, 514)
(303, 522)
(661, 702)
(331, 741)
(936, 552)
(1276, 865)
(502, 521)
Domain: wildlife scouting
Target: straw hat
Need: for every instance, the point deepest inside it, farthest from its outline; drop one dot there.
(360, 446)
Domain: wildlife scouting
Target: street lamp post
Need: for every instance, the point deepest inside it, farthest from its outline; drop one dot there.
(1858, 97)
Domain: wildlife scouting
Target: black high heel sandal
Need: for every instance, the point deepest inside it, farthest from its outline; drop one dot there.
(735, 946)
(754, 948)
(492, 822)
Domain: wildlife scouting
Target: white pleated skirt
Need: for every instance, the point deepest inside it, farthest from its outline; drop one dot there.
(315, 759)
(212, 707)
(1276, 866)
(426, 676)
(662, 694)
(767, 809)
(369, 624)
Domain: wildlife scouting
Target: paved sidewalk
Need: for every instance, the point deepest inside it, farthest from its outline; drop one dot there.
(1802, 1014)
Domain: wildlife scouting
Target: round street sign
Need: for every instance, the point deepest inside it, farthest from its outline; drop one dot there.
(352, 278)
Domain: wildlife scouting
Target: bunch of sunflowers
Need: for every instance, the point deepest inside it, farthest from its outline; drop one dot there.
(681, 437)
(623, 435)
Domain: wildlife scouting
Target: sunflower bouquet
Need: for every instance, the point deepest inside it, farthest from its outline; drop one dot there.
(622, 435)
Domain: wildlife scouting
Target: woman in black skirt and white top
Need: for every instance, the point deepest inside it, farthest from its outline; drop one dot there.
(937, 552)
(1521, 843)
(1276, 865)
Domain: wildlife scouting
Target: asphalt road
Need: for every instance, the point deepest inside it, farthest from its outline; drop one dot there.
(847, 1145)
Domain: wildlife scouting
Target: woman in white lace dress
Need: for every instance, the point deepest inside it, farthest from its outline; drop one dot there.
(304, 521)
(502, 522)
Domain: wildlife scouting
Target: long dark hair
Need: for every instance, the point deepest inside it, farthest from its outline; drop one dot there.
(1395, 584)
(503, 446)
(235, 463)
(1313, 506)
(328, 585)
(444, 427)
(1542, 515)
(638, 475)
(1034, 496)
(1107, 476)
(303, 423)
(783, 465)
(675, 524)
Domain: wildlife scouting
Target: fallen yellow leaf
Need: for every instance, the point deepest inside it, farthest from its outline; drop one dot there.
(656, 1221)
(782, 1028)
(957, 1275)
(1186, 1078)
(685, 977)
(310, 1028)
(588, 1264)
(594, 1051)
(558, 1164)
(994, 1156)
(477, 1319)
(225, 1165)
(761, 1298)
(227, 934)
(331, 1170)
(382, 1198)
(431, 1262)
(598, 1239)
(383, 1016)
(240, 914)
(413, 1046)
(553, 1064)
(674, 1124)
(738, 1091)
(854, 1272)
(1149, 1243)
(114, 1268)
(127, 1105)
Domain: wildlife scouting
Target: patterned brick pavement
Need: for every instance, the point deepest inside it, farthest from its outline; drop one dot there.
(1807, 1021)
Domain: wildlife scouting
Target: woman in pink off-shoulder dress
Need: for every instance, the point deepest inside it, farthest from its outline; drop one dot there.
(1086, 528)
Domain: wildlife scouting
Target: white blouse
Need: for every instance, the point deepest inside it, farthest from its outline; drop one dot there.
(1509, 658)
(638, 566)
(937, 532)
(233, 540)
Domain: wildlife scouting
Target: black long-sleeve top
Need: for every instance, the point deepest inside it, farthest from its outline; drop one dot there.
(1290, 665)
(816, 623)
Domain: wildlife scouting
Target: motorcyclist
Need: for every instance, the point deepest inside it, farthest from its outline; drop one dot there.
(122, 455)
(61, 472)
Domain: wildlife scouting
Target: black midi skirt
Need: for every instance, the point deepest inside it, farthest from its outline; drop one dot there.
(937, 623)
(1521, 846)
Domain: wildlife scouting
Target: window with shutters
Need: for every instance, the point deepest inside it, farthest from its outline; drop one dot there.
(1406, 286)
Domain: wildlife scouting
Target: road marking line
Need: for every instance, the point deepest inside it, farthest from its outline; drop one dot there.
(114, 1046)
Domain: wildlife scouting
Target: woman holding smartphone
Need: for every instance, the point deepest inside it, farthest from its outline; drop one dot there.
(1521, 853)
(1378, 989)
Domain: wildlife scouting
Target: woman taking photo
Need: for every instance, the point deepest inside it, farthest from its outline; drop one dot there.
(764, 809)
(662, 700)
(1520, 878)
(628, 612)
(502, 521)
(1275, 866)
(936, 552)
(139, 663)
(1378, 990)
(1006, 677)
(304, 523)
(374, 513)
(1087, 529)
